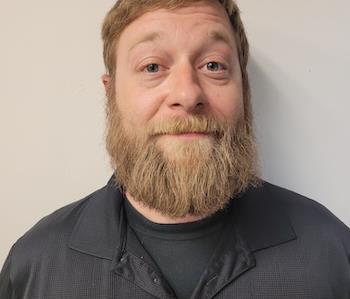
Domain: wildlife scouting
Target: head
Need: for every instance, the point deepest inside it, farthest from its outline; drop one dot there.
(179, 120)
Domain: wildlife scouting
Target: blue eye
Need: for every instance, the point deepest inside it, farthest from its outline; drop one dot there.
(214, 66)
(152, 68)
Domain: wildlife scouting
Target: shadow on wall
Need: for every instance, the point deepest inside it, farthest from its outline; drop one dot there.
(284, 122)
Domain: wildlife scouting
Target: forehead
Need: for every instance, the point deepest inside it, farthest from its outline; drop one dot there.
(203, 18)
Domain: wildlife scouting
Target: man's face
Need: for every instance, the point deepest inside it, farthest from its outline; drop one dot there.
(177, 63)
(176, 130)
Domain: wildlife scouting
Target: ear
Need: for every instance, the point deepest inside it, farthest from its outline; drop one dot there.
(106, 80)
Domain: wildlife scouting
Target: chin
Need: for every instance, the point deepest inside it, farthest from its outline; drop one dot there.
(185, 149)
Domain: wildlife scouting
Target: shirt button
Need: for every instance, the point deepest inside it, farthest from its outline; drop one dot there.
(123, 259)
(156, 280)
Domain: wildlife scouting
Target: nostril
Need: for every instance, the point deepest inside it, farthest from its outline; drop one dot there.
(187, 104)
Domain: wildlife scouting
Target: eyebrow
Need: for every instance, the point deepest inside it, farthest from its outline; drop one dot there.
(150, 37)
(219, 36)
(213, 35)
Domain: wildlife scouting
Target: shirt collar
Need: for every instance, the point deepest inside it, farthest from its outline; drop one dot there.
(101, 225)
(100, 229)
(261, 219)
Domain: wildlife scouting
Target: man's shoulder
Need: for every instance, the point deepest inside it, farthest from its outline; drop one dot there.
(269, 215)
(297, 204)
(305, 214)
(63, 217)
(53, 231)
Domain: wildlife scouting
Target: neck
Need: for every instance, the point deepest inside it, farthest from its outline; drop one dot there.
(158, 217)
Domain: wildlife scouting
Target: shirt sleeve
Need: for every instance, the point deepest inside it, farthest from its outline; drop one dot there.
(6, 291)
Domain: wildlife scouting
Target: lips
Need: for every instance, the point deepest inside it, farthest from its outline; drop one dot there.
(189, 135)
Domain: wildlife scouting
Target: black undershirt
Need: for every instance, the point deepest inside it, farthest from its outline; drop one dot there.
(181, 251)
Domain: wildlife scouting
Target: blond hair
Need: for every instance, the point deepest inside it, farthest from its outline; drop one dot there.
(125, 12)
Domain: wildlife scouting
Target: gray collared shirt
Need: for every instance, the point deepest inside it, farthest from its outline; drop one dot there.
(278, 244)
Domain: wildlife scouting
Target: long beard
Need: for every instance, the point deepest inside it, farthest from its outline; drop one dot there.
(177, 177)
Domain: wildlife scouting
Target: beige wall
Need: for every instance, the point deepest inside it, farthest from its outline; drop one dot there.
(51, 116)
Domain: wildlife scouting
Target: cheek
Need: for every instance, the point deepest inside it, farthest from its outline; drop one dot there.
(137, 106)
(227, 103)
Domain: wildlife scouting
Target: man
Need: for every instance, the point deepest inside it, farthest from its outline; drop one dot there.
(185, 214)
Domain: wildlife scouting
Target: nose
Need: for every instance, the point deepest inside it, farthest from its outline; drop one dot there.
(185, 93)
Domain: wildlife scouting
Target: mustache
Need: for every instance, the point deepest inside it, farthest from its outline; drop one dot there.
(189, 124)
